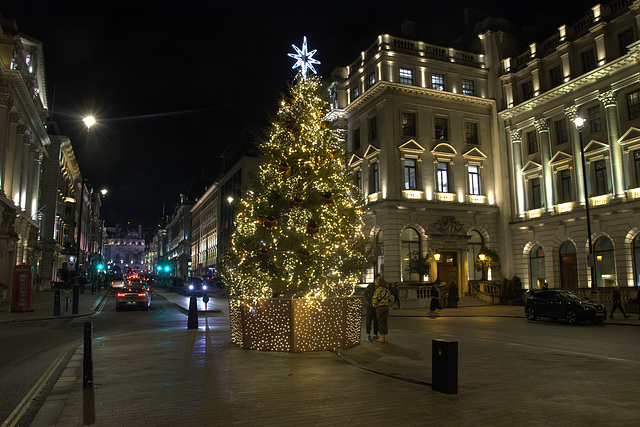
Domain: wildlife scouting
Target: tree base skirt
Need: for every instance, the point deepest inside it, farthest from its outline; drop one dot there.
(296, 325)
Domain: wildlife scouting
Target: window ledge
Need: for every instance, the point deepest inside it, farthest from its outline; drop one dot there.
(633, 193)
(477, 199)
(564, 207)
(412, 194)
(534, 213)
(374, 197)
(446, 197)
(600, 200)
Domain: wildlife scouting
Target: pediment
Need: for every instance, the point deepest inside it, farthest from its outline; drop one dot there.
(354, 161)
(631, 139)
(474, 154)
(531, 167)
(560, 157)
(371, 152)
(411, 146)
(444, 149)
(596, 150)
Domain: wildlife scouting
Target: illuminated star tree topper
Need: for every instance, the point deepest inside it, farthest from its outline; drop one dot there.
(304, 59)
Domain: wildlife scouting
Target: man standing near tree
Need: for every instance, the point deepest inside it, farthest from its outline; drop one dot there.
(371, 317)
(381, 300)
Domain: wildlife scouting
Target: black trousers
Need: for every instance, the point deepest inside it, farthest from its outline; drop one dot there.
(371, 318)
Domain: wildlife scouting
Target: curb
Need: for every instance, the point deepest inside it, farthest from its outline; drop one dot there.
(102, 301)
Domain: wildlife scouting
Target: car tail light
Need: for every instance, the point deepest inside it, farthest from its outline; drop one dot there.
(120, 294)
(142, 294)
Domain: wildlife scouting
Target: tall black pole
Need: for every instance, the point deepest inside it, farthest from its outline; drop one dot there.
(81, 199)
(586, 208)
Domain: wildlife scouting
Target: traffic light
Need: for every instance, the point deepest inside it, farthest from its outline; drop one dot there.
(100, 267)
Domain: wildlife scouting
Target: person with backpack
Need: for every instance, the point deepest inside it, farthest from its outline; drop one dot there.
(371, 317)
(381, 300)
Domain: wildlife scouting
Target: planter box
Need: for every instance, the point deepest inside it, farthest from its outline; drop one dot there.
(295, 325)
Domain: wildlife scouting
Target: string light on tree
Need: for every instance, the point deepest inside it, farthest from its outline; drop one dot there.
(299, 228)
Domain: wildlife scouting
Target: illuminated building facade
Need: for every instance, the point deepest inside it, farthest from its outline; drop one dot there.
(423, 142)
(456, 150)
(124, 249)
(23, 138)
(588, 69)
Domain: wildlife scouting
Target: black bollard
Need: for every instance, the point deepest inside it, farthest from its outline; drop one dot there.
(444, 366)
(87, 365)
(56, 303)
(76, 299)
(93, 288)
(192, 322)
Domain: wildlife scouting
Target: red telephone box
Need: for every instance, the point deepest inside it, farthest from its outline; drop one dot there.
(22, 288)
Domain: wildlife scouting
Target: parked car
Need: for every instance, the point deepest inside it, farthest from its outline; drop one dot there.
(561, 304)
(133, 297)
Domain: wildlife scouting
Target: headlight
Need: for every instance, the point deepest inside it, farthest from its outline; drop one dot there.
(204, 287)
(190, 287)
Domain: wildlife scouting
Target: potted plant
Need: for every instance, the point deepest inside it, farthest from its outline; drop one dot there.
(419, 264)
(453, 296)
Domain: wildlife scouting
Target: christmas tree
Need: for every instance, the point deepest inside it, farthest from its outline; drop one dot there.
(298, 227)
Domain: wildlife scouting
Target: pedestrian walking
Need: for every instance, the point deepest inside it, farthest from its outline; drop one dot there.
(617, 303)
(381, 300)
(435, 298)
(371, 318)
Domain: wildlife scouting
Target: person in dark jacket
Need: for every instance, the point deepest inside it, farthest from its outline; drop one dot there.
(371, 318)
(617, 303)
(435, 301)
(382, 300)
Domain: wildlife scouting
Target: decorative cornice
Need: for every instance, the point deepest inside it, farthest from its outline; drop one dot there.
(630, 60)
(381, 86)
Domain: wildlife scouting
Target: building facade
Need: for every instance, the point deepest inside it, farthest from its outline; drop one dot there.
(457, 150)
(23, 142)
(589, 69)
(423, 143)
(124, 249)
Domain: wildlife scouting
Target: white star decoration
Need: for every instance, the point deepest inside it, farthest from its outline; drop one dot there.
(304, 59)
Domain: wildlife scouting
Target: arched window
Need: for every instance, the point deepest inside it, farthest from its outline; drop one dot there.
(474, 245)
(410, 245)
(605, 263)
(536, 262)
(636, 260)
(568, 265)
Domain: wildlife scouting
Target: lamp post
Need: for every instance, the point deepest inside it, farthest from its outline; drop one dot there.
(482, 257)
(436, 256)
(88, 121)
(579, 122)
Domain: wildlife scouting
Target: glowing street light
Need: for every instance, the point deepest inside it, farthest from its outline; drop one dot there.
(482, 257)
(436, 256)
(104, 192)
(579, 121)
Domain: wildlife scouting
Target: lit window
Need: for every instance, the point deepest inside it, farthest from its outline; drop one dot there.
(406, 76)
(437, 81)
(410, 170)
(474, 180)
(372, 79)
(443, 177)
(468, 87)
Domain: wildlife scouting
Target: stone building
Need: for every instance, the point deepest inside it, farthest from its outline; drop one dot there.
(588, 69)
(124, 249)
(459, 149)
(23, 142)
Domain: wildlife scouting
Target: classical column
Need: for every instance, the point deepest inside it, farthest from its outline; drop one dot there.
(619, 174)
(27, 160)
(571, 113)
(542, 126)
(35, 182)
(5, 107)
(9, 162)
(516, 143)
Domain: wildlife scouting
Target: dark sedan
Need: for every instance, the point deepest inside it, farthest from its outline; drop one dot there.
(134, 297)
(560, 304)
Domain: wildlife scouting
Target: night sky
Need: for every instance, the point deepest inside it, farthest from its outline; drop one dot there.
(171, 84)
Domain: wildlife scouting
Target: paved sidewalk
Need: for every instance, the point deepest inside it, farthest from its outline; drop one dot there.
(198, 377)
(42, 306)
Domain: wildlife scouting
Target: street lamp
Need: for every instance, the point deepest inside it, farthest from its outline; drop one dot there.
(482, 257)
(88, 121)
(436, 256)
(579, 121)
